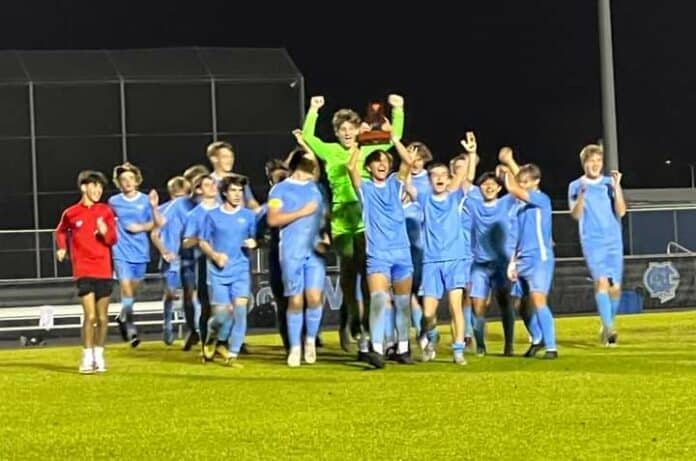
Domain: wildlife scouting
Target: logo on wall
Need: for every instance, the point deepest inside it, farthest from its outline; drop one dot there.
(661, 281)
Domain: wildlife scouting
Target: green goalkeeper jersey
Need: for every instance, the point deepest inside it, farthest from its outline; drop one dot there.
(346, 215)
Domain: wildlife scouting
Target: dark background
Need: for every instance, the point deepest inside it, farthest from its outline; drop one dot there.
(523, 73)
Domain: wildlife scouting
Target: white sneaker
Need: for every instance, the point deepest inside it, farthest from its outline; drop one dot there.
(99, 364)
(310, 351)
(295, 356)
(86, 366)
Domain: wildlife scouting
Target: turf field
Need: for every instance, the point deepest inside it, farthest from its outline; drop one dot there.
(637, 401)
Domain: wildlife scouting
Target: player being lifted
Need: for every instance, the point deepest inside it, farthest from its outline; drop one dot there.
(533, 261)
(347, 227)
(446, 261)
(597, 203)
(88, 230)
(389, 266)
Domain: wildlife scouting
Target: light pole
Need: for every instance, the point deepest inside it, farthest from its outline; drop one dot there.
(692, 167)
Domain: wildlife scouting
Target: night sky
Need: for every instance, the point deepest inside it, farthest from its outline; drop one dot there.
(522, 73)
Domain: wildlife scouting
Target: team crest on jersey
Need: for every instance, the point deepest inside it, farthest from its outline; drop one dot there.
(78, 223)
(661, 281)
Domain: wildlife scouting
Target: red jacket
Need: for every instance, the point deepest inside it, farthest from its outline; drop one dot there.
(90, 252)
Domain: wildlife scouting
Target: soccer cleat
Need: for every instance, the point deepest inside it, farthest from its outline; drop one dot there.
(459, 358)
(481, 351)
(390, 353)
(244, 349)
(423, 342)
(87, 366)
(192, 339)
(135, 341)
(168, 337)
(122, 328)
(429, 353)
(375, 359)
(295, 356)
(612, 339)
(310, 351)
(344, 338)
(550, 355)
(534, 349)
(99, 365)
(404, 359)
(318, 342)
(221, 350)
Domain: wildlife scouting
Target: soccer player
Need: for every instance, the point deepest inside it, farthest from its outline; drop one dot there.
(88, 230)
(136, 215)
(221, 157)
(167, 239)
(227, 236)
(489, 239)
(533, 261)
(295, 205)
(597, 203)
(389, 266)
(446, 258)
(413, 214)
(420, 179)
(206, 189)
(347, 228)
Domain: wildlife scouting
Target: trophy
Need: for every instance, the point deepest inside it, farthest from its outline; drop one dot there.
(372, 130)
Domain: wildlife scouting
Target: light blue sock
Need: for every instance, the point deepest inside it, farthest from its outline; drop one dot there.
(534, 327)
(402, 303)
(378, 301)
(547, 327)
(312, 321)
(433, 336)
(239, 326)
(167, 317)
(468, 321)
(480, 331)
(127, 315)
(389, 323)
(615, 302)
(294, 327)
(417, 319)
(604, 308)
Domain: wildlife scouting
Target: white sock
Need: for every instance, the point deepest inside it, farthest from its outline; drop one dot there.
(378, 347)
(309, 340)
(87, 354)
(98, 352)
(403, 347)
(363, 344)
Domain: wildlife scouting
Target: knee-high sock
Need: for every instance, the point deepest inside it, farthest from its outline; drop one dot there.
(468, 321)
(480, 331)
(534, 327)
(378, 302)
(402, 303)
(127, 314)
(295, 321)
(312, 321)
(167, 315)
(389, 324)
(547, 327)
(615, 302)
(239, 326)
(417, 318)
(604, 309)
(215, 326)
(508, 319)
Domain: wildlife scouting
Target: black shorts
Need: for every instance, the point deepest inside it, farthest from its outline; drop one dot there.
(100, 287)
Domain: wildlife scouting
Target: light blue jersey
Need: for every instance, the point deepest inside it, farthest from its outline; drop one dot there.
(490, 228)
(298, 238)
(598, 225)
(443, 235)
(383, 215)
(534, 228)
(131, 247)
(174, 212)
(194, 223)
(226, 232)
(413, 213)
(466, 217)
(421, 182)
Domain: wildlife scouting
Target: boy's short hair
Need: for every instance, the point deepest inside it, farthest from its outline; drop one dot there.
(422, 150)
(488, 175)
(298, 161)
(214, 147)
(198, 180)
(590, 150)
(434, 165)
(195, 170)
(230, 180)
(345, 115)
(91, 177)
(530, 169)
(375, 156)
(178, 184)
(125, 168)
(274, 165)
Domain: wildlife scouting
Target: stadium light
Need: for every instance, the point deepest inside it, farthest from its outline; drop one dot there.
(692, 169)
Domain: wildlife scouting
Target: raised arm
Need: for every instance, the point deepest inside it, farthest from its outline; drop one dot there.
(512, 186)
(465, 176)
(278, 218)
(405, 155)
(353, 171)
(619, 202)
(310, 153)
(505, 156)
(318, 146)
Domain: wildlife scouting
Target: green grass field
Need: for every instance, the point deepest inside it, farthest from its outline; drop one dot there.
(637, 401)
